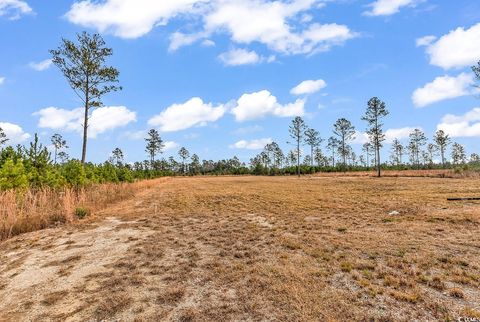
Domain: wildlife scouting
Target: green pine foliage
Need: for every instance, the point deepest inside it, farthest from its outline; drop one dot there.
(31, 166)
(13, 175)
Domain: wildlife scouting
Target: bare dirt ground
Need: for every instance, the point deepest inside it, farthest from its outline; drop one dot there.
(257, 249)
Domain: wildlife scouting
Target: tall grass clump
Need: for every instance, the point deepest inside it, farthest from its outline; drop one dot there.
(27, 210)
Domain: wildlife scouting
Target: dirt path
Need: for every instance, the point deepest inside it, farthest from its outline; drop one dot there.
(251, 249)
(156, 267)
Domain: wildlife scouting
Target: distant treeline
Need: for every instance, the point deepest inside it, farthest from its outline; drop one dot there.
(338, 155)
(34, 166)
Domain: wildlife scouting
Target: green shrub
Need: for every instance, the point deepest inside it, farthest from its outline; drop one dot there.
(13, 176)
(74, 173)
(54, 179)
(108, 173)
(81, 212)
(124, 175)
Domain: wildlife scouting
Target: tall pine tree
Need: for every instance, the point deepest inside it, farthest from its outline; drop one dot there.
(376, 111)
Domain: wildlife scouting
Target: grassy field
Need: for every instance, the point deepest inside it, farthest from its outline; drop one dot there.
(257, 248)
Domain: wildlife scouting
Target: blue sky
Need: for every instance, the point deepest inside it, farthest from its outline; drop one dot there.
(218, 76)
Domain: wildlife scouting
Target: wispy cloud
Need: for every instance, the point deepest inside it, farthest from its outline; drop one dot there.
(41, 66)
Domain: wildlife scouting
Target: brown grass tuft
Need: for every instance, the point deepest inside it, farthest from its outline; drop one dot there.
(171, 295)
(53, 298)
(456, 293)
(108, 307)
(22, 212)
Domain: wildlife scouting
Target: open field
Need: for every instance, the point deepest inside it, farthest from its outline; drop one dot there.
(437, 173)
(257, 248)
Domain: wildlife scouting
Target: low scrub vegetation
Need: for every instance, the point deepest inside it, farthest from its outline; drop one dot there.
(33, 209)
(32, 167)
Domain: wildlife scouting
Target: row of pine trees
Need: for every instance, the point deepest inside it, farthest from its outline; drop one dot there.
(35, 166)
(338, 154)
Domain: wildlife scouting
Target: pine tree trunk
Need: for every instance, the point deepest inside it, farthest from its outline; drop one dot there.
(379, 173)
(368, 160)
(85, 133)
(311, 155)
(85, 123)
(298, 157)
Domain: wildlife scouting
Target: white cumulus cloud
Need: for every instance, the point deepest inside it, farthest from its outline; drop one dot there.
(256, 144)
(2, 80)
(14, 9)
(270, 23)
(237, 57)
(101, 120)
(194, 112)
(126, 18)
(15, 134)
(442, 88)
(308, 87)
(259, 104)
(170, 145)
(401, 133)
(459, 48)
(279, 25)
(208, 43)
(41, 66)
(58, 118)
(109, 118)
(178, 39)
(321, 38)
(425, 41)
(466, 125)
(360, 138)
(388, 7)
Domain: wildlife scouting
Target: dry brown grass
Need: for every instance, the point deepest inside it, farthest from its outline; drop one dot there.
(259, 248)
(28, 211)
(437, 173)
